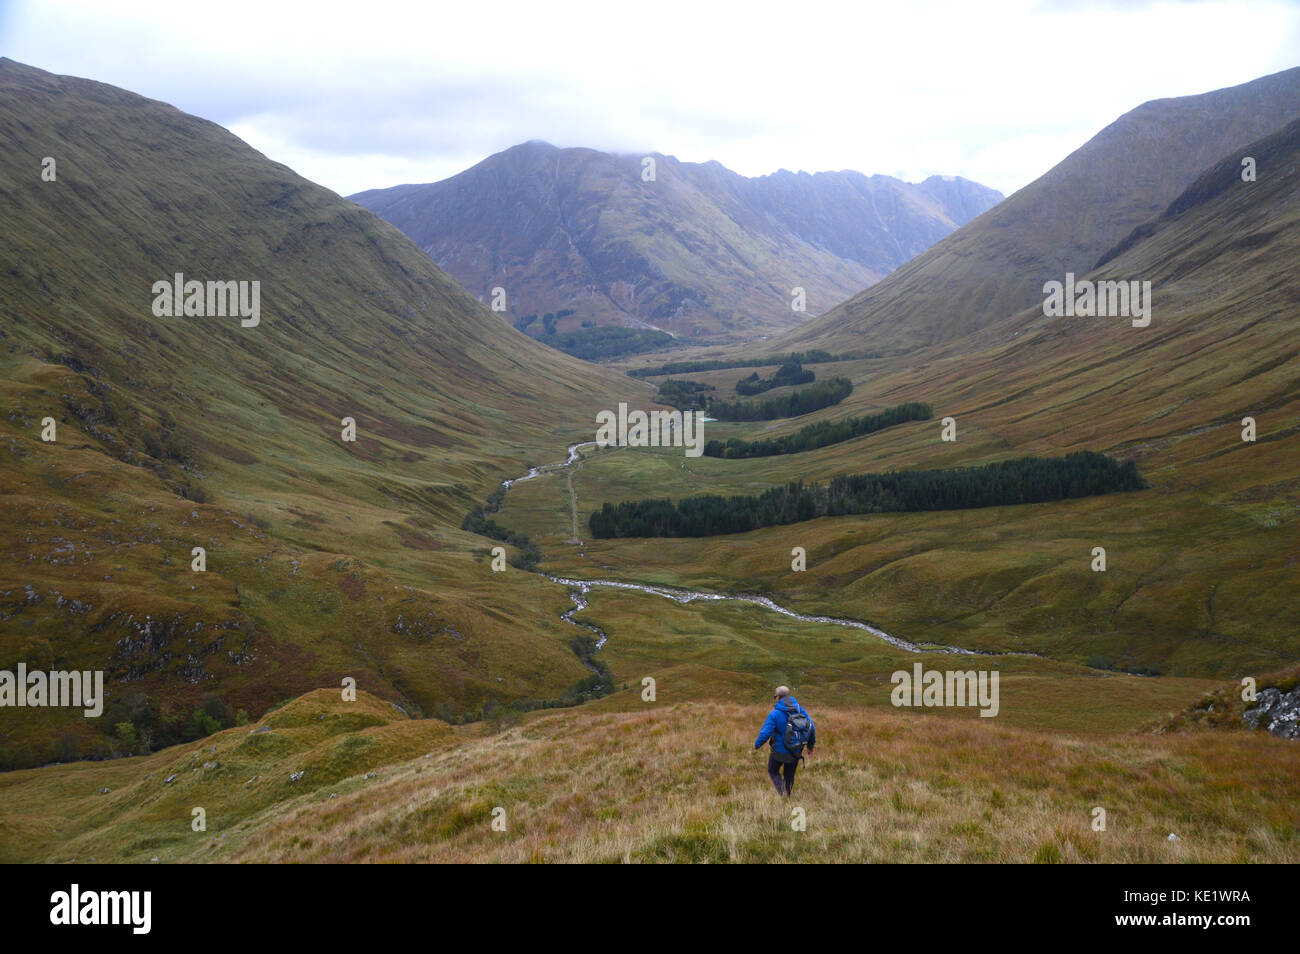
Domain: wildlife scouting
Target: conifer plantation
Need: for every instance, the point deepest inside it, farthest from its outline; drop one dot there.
(1028, 480)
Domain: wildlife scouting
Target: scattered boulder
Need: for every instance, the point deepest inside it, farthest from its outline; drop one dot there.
(295, 776)
(1276, 711)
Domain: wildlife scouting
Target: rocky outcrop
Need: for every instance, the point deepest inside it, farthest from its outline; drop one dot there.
(1276, 711)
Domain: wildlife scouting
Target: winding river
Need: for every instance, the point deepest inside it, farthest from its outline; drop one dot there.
(579, 590)
(549, 468)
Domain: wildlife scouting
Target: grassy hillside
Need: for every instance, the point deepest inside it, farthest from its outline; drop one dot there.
(634, 786)
(324, 558)
(1063, 221)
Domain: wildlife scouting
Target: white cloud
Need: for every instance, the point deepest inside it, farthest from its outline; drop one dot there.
(365, 96)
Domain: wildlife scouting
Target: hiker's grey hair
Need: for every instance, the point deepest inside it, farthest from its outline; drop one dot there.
(782, 691)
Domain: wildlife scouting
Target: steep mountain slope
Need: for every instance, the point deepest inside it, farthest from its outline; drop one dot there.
(1063, 221)
(324, 557)
(700, 251)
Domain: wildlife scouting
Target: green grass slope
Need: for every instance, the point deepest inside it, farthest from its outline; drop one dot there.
(324, 558)
(632, 786)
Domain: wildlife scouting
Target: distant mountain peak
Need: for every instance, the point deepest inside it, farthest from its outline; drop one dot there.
(716, 255)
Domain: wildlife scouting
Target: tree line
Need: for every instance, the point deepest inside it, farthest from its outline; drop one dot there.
(814, 356)
(814, 398)
(548, 320)
(792, 372)
(819, 434)
(605, 341)
(479, 520)
(683, 395)
(1022, 481)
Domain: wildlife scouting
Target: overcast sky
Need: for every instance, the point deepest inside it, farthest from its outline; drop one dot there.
(366, 95)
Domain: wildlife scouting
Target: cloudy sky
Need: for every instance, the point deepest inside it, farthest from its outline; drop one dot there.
(367, 95)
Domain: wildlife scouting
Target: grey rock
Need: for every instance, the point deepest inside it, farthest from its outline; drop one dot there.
(1276, 711)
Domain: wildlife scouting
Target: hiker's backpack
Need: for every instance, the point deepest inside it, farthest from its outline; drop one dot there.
(797, 729)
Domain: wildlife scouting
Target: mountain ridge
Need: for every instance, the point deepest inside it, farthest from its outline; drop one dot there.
(1065, 220)
(698, 251)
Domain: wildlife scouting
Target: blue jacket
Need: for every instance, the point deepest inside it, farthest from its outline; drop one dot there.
(774, 726)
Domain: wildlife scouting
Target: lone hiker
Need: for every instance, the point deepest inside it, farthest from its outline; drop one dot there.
(788, 729)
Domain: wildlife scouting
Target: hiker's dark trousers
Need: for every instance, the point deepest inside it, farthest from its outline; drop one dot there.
(781, 774)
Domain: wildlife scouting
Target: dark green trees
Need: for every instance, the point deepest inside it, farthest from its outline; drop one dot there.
(1027, 480)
